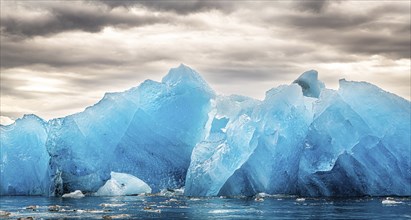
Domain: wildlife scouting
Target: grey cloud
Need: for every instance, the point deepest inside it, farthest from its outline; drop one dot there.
(249, 57)
(24, 53)
(312, 5)
(338, 19)
(363, 42)
(68, 16)
(27, 52)
(180, 7)
(267, 72)
(393, 8)
(375, 31)
(395, 47)
(11, 114)
(335, 20)
(9, 89)
(223, 74)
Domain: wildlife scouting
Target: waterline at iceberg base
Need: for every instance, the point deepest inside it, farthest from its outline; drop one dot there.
(302, 139)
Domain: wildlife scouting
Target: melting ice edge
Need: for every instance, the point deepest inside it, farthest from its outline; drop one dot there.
(302, 139)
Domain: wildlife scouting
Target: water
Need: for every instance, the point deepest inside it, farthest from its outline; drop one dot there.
(179, 207)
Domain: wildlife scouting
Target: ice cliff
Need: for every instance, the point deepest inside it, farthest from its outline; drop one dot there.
(302, 139)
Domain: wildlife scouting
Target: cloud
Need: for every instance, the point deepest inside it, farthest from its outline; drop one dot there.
(312, 5)
(180, 7)
(68, 16)
(59, 57)
(353, 27)
(29, 52)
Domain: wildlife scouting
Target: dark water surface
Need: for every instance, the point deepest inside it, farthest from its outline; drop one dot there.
(179, 207)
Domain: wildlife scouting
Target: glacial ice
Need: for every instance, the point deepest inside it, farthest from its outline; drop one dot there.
(75, 195)
(24, 168)
(216, 158)
(310, 84)
(121, 184)
(148, 131)
(302, 139)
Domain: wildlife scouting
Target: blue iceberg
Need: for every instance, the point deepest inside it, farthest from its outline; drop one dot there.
(302, 139)
(24, 168)
(148, 131)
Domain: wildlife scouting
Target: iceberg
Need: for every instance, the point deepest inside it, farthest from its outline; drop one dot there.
(307, 140)
(121, 184)
(24, 167)
(302, 139)
(369, 145)
(148, 131)
(260, 143)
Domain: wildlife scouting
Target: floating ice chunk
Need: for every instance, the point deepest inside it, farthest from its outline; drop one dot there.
(259, 199)
(4, 214)
(76, 194)
(172, 192)
(390, 202)
(122, 184)
(112, 204)
(263, 195)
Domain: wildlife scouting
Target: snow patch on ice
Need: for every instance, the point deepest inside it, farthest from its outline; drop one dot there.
(122, 184)
(76, 194)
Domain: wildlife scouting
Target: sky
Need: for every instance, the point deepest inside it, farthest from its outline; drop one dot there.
(58, 57)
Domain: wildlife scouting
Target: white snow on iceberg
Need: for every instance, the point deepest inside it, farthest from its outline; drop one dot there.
(76, 195)
(121, 184)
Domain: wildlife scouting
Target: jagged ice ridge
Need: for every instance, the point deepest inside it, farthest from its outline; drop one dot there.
(302, 139)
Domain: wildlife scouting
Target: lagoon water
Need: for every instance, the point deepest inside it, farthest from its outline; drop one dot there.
(179, 207)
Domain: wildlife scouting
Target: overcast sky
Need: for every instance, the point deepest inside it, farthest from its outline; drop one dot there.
(58, 57)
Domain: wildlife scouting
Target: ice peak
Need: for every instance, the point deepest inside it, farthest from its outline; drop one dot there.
(310, 84)
(181, 73)
(30, 117)
(183, 66)
(185, 75)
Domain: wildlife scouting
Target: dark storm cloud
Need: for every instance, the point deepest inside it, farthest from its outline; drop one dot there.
(180, 7)
(66, 16)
